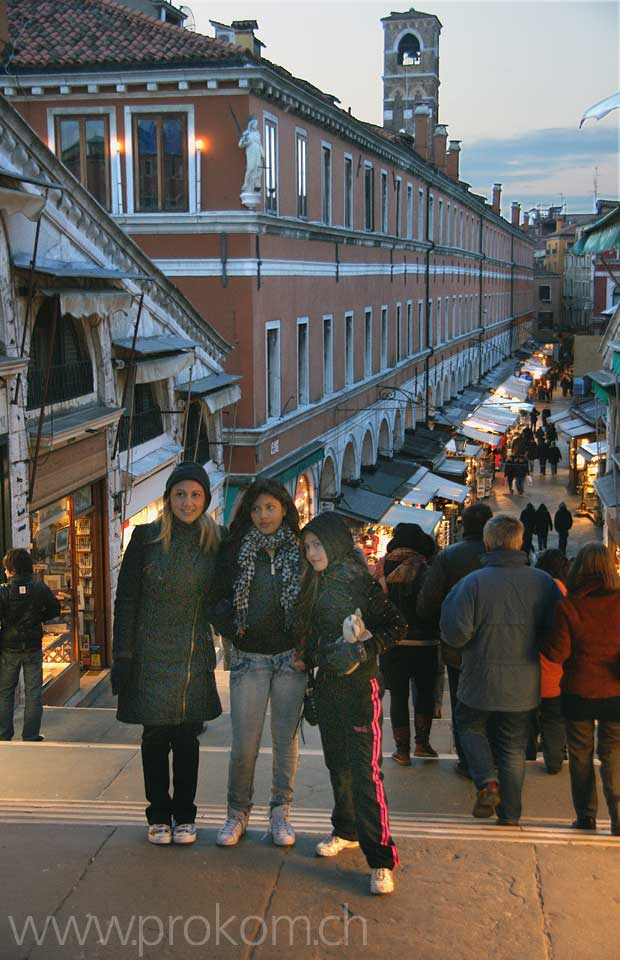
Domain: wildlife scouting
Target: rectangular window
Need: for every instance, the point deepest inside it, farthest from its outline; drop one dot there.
(273, 372)
(83, 145)
(461, 325)
(544, 293)
(410, 333)
(301, 153)
(440, 236)
(328, 356)
(384, 202)
(448, 225)
(409, 212)
(420, 214)
(348, 192)
(349, 357)
(446, 323)
(399, 333)
(421, 337)
(303, 364)
(384, 337)
(431, 217)
(160, 152)
(369, 197)
(326, 182)
(368, 343)
(398, 210)
(271, 166)
(439, 319)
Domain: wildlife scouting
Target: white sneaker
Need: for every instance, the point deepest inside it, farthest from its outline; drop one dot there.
(184, 833)
(381, 880)
(159, 833)
(232, 831)
(332, 845)
(282, 831)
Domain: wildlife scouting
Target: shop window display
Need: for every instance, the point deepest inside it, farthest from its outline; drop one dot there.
(303, 500)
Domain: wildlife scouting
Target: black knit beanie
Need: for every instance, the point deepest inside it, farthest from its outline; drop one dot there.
(334, 535)
(187, 470)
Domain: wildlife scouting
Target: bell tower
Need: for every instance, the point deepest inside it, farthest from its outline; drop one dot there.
(410, 69)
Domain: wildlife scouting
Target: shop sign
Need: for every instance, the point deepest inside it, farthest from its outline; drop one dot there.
(325, 505)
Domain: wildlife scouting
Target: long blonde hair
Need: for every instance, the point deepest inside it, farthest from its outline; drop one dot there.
(594, 560)
(209, 530)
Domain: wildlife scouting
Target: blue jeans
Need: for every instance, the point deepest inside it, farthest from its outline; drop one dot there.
(256, 679)
(510, 735)
(11, 662)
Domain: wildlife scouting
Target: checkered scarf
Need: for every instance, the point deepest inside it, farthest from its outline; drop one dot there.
(287, 562)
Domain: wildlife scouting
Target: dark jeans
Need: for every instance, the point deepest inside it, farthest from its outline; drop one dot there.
(562, 542)
(350, 719)
(580, 736)
(11, 662)
(542, 540)
(554, 469)
(510, 734)
(453, 682)
(519, 483)
(548, 721)
(157, 742)
(402, 664)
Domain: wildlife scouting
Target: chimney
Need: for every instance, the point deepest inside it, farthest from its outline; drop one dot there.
(515, 213)
(440, 140)
(239, 32)
(526, 222)
(452, 159)
(497, 198)
(422, 122)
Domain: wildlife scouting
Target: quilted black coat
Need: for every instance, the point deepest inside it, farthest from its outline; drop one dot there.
(161, 625)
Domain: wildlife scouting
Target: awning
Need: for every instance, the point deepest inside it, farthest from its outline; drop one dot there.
(438, 487)
(68, 426)
(153, 462)
(428, 520)
(362, 504)
(514, 387)
(292, 466)
(574, 427)
(601, 236)
(470, 449)
(496, 413)
(481, 423)
(163, 368)
(89, 303)
(222, 398)
(16, 201)
(453, 466)
(591, 450)
(209, 384)
(157, 358)
(68, 268)
(608, 489)
(480, 437)
(151, 346)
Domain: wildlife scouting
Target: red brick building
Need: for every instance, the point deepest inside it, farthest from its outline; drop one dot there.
(364, 262)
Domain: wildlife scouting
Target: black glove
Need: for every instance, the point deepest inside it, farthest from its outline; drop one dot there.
(343, 657)
(120, 675)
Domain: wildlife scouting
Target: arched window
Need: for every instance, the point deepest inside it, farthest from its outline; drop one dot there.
(71, 372)
(409, 51)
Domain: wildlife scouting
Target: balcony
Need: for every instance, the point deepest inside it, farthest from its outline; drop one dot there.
(66, 381)
(145, 426)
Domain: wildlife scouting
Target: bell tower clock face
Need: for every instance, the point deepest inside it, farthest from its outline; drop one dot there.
(410, 68)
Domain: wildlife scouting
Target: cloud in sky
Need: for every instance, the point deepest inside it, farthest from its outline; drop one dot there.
(539, 166)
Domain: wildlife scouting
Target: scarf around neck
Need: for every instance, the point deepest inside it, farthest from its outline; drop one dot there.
(286, 562)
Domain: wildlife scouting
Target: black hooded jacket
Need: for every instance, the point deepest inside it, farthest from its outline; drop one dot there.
(25, 604)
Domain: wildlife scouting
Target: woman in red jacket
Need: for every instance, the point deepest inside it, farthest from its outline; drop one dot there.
(586, 639)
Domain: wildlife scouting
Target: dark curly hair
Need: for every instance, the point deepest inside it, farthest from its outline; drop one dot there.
(242, 521)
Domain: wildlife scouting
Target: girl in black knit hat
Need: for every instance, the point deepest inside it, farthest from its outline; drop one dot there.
(335, 585)
(164, 659)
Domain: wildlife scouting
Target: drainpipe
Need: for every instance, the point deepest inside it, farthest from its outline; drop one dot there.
(480, 309)
(512, 290)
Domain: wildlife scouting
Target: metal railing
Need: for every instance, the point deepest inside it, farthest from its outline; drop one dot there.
(66, 381)
(145, 427)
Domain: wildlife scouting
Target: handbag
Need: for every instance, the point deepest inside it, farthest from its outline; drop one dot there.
(310, 711)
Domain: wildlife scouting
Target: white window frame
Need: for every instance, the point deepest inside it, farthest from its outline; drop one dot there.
(369, 227)
(385, 202)
(431, 332)
(455, 331)
(129, 151)
(271, 119)
(328, 355)
(399, 332)
(326, 187)
(398, 200)
(410, 330)
(349, 348)
(348, 193)
(446, 320)
(367, 342)
(420, 213)
(431, 218)
(116, 174)
(409, 211)
(440, 226)
(301, 175)
(303, 397)
(421, 320)
(277, 404)
(385, 337)
(439, 322)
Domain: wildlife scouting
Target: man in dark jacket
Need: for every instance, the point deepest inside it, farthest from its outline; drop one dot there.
(24, 605)
(520, 471)
(449, 566)
(562, 522)
(497, 615)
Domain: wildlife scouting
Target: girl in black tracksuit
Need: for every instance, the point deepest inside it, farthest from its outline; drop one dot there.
(335, 583)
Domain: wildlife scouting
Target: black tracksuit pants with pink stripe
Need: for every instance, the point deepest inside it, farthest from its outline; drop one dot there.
(350, 719)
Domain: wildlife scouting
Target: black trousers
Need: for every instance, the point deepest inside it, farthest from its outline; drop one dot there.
(402, 664)
(157, 742)
(350, 719)
(562, 541)
(580, 736)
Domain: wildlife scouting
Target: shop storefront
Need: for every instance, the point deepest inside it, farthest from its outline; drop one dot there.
(590, 464)
(445, 497)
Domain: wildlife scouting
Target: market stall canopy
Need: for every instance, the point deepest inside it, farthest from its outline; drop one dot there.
(514, 387)
(497, 413)
(480, 437)
(573, 426)
(368, 507)
(590, 451)
(436, 486)
(479, 422)
(469, 450)
(601, 236)
(428, 520)
(608, 489)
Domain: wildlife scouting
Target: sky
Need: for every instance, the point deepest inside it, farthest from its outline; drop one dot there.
(516, 77)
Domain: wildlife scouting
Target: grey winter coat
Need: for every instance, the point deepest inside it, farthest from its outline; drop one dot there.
(498, 615)
(161, 625)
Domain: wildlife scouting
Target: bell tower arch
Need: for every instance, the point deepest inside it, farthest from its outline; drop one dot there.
(410, 68)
